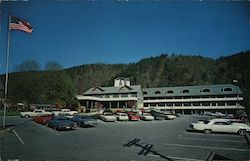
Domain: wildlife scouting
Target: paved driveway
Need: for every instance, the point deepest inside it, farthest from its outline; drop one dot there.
(143, 140)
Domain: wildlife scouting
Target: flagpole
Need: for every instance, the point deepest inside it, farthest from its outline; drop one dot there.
(7, 73)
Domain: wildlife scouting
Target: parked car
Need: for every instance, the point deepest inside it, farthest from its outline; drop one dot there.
(170, 117)
(42, 119)
(34, 113)
(64, 112)
(220, 125)
(133, 116)
(108, 117)
(84, 121)
(61, 123)
(157, 115)
(122, 116)
(146, 117)
(67, 115)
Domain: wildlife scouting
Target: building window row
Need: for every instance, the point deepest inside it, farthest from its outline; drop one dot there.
(190, 104)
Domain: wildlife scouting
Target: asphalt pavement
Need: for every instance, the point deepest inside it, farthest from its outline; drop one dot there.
(143, 140)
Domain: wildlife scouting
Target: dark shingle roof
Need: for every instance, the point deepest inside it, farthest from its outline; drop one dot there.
(219, 89)
(109, 90)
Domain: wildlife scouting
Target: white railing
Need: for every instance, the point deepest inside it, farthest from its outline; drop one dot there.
(79, 97)
(196, 107)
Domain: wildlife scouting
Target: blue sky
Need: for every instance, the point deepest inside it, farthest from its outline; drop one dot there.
(84, 32)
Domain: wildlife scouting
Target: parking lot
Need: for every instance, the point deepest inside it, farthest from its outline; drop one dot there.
(142, 140)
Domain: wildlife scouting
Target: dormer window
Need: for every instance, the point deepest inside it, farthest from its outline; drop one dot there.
(185, 91)
(170, 92)
(206, 90)
(227, 89)
(157, 92)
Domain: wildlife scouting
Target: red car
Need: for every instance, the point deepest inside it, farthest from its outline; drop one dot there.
(133, 116)
(42, 119)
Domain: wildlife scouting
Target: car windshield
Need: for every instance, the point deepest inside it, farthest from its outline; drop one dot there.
(108, 114)
(206, 121)
(85, 117)
(61, 119)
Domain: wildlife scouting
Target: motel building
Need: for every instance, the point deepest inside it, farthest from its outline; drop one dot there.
(225, 98)
(121, 96)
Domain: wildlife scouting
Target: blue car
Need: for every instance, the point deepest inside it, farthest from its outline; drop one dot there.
(84, 121)
(61, 123)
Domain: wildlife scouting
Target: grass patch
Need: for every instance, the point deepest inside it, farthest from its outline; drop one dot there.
(12, 113)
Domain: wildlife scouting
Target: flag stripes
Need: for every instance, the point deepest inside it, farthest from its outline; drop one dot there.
(18, 24)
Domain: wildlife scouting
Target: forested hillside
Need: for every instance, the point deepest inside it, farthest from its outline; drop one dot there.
(167, 70)
(163, 70)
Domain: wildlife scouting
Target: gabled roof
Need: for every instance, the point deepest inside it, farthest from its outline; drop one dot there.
(219, 89)
(109, 90)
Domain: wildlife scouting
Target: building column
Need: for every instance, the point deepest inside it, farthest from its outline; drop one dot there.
(109, 105)
(182, 112)
(87, 105)
(118, 104)
(91, 104)
(126, 104)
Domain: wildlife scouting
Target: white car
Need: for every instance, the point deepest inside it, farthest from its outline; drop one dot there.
(107, 116)
(66, 112)
(220, 125)
(122, 117)
(146, 117)
(170, 117)
(34, 113)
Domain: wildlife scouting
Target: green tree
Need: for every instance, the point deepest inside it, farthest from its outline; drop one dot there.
(53, 66)
(59, 88)
(28, 65)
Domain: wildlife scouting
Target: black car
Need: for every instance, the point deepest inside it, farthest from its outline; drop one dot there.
(157, 115)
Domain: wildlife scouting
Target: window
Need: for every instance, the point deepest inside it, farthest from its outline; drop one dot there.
(145, 92)
(170, 92)
(227, 89)
(115, 95)
(196, 104)
(152, 105)
(185, 91)
(221, 103)
(206, 122)
(157, 92)
(217, 123)
(124, 95)
(161, 104)
(206, 90)
(205, 104)
(133, 95)
(187, 104)
(231, 103)
(169, 104)
(178, 104)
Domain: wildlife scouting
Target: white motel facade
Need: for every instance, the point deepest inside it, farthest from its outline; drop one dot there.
(225, 98)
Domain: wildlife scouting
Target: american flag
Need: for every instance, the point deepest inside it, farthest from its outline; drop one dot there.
(18, 24)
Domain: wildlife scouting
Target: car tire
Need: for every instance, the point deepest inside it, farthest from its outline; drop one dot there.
(207, 131)
(26, 116)
(242, 132)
